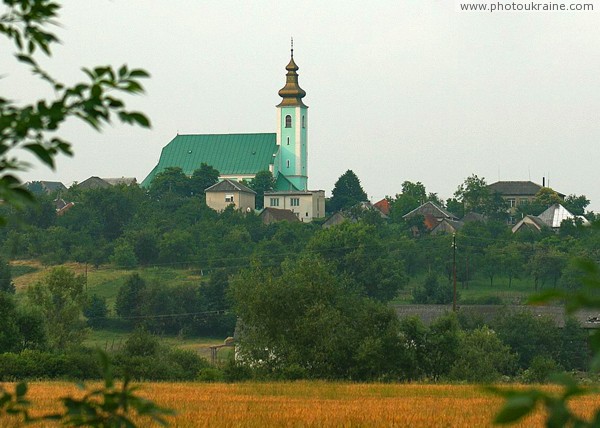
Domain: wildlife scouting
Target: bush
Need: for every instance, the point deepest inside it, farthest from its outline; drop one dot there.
(32, 364)
(189, 362)
(483, 357)
(432, 292)
(234, 371)
(141, 344)
(540, 370)
(210, 374)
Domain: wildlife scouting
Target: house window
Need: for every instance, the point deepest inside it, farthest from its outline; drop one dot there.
(274, 202)
(228, 197)
(287, 163)
(288, 121)
(295, 202)
(303, 122)
(288, 141)
(511, 202)
(523, 201)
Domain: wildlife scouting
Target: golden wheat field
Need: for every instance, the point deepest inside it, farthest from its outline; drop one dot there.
(310, 404)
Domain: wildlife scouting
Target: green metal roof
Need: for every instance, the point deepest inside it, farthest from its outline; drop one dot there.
(230, 154)
(282, 184)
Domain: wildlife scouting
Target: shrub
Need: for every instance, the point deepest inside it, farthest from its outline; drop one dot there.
(234, 371)
(432, 292)
(210, 374)
(141, 343)
(540, 370)
(483, 357)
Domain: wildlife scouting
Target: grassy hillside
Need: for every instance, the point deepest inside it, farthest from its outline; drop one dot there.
(105, 282)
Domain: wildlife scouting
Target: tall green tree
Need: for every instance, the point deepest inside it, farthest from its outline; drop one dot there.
(203, 178)
(9, 333)
(356, 252)
(172, 182)
(346, 192)
(475, 195)
(308, 318)
(6, 282)
(576, 204)
(32, 127)
(413, 195)
(262, 182)
(129, 298)
(546, 197)
(60, 297)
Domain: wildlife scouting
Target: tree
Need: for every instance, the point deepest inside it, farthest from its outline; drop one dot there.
(170, 182)
(6, 282)
(129, 297)
(96, 311)
(60, 298)
(9, 334)
(528, 335)
(413, 195)
(262, 182)
(346, 192)
(308, 318)
(546, 197)
(576, 204)
(546, 264)
(357, 252)
(456, 207)
(203, 178)
(432, 292)
(33, 127)
(483, 357)
(475, 195)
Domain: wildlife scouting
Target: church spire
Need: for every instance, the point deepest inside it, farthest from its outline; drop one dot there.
(291, 93)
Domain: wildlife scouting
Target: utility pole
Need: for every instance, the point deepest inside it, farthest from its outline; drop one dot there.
(454, 271)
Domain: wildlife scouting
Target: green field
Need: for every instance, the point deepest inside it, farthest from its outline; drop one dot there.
(479, 290)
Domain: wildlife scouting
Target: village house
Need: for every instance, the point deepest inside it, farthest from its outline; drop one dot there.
(230, 192)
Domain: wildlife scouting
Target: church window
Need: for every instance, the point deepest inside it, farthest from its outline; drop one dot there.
(228, 197)
(288, 141)
(295, 202)
(287, 163)
(274, 202)
(288, 121)
(303, 122)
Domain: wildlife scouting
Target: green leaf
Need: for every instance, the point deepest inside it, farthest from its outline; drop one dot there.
(26, 59)
(138, 72)
(21, 389)
(516, 408)
(41, 152)
(140, 118)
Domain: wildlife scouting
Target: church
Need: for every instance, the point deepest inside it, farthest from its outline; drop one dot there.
(240, 156)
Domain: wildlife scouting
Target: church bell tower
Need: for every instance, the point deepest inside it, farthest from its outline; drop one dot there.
(292, 125)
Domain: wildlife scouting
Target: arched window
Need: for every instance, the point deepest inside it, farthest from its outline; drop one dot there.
(287, 163)
(303, 122)
(288, 141)
(288, 121)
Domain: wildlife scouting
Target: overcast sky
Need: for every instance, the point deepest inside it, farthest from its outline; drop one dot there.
(398, 90)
